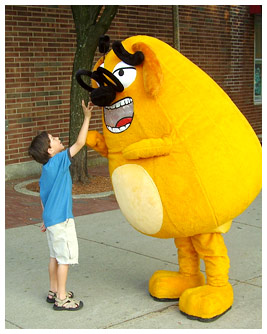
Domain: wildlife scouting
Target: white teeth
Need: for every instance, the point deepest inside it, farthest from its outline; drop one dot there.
(118, 130)
(120, 103)
(118, 110)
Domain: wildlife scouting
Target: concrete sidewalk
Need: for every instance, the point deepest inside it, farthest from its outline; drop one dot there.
(116, 263)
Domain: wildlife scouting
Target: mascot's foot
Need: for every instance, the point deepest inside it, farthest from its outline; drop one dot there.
(206, 303)
(169, 285)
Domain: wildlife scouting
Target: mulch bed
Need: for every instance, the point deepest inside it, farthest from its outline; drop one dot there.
(96, 184)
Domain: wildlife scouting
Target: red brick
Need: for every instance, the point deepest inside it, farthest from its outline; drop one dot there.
(219, 39)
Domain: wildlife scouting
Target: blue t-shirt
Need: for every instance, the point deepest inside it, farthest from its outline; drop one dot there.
(56, 189)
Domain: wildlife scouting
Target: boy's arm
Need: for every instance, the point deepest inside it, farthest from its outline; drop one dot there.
(80, 142)
(42, 227)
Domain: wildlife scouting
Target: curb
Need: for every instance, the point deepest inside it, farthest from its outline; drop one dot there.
(21, 188)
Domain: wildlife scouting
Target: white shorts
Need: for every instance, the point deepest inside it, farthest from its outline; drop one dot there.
(62, 242)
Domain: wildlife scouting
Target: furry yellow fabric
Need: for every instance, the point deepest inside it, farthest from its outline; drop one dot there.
(152, 72)
(166, 284)
(96, 140)
(200, 163)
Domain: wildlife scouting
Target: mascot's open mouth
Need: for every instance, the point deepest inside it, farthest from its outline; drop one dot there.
(118, 117)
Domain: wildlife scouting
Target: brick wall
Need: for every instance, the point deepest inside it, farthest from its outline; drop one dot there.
(40, 43)
(40, 47)
(220, 40)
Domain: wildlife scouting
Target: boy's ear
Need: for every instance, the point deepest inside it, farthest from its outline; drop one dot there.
(50, 151)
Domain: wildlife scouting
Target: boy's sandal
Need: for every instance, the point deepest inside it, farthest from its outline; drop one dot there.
(52, 296)
(67, 304)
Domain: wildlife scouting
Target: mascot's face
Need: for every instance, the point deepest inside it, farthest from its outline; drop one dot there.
(118, 116)
(133, 113)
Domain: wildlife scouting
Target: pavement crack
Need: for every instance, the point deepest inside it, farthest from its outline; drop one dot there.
(141, 316)
(13, 324)
(246, 224)
(248, 281)
(128, 250)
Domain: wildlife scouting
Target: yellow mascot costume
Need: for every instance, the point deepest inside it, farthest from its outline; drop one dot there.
(183, 161)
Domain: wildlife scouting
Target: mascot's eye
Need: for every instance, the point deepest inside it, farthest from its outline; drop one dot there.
(125, 73)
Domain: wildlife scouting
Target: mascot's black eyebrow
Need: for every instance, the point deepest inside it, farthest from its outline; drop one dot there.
(108, 82)
(131, 59)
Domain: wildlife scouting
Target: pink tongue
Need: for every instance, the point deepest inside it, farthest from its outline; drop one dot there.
(123, 121)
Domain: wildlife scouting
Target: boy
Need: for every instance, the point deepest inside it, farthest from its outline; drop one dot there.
(56, 201)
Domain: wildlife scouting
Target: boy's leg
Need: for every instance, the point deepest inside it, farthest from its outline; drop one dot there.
(65, 248)
(68, 255)
(62, 275)
(52, 269)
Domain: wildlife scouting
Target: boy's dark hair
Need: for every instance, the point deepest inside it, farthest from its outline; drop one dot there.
(38, 149)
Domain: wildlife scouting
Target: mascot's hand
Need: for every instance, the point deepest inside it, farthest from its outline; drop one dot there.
(148, 148)
(96, 141)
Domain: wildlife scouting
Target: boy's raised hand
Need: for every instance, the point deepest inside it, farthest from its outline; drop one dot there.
(87, 110)
(81, 139)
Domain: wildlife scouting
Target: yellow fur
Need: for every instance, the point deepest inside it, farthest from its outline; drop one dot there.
(201, 160)
(206, 302)
(152, 73)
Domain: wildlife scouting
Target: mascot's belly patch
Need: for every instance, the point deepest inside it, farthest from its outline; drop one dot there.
(138, 198)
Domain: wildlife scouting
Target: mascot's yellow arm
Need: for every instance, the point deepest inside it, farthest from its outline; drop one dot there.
(148, 148)
(97, 141)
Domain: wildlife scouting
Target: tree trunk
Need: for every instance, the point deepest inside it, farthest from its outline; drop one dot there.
(88, 31)
(176, 28)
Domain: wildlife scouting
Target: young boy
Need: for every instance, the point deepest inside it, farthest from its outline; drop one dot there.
(56, 200)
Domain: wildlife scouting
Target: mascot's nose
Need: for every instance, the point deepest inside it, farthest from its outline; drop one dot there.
(103, 96)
